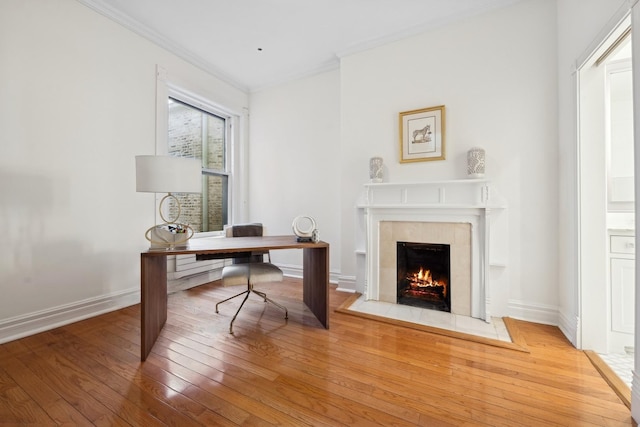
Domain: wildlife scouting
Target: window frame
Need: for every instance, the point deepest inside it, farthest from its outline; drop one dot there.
(166, 90)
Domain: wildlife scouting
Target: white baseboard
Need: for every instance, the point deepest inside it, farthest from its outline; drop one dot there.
(537, 313)
(569, 327)
(291, 270)
(347, 284)
(296, 271)
(182, 283)
(39, 321)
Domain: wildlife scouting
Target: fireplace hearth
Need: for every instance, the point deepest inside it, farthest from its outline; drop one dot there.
(469, 215)
(424, 275)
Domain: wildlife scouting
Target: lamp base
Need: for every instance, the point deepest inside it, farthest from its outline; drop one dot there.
(169, 235)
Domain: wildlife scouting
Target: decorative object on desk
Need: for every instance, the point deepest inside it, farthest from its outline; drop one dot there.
(422, 135)
(376, 172)
(167, 174)
(304, 227)
(168, 235)
(475, 162)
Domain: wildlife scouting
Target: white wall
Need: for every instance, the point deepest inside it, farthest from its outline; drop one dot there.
(294, 161)
(77, 98)
(77, 103)
(579, 24)
(496, 75)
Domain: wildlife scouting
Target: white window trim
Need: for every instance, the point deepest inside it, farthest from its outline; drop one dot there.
(165, 89)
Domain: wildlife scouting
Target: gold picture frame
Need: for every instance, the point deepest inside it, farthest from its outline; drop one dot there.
(422, 135)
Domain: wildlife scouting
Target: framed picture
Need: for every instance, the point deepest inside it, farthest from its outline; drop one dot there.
(422, 135)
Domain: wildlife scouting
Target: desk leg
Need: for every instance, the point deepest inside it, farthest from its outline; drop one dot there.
(153, 299)
(315, 282)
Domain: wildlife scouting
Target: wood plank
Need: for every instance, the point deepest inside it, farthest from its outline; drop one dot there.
(360, 372)
(622, 390)
(21, 409)
(70, 388)
(59, 410)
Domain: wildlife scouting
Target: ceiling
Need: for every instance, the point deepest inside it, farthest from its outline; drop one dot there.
(253, 44)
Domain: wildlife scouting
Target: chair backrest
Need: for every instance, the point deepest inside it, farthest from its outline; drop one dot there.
(246, 230)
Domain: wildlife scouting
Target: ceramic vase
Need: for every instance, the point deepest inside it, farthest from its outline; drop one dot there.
(475, 162)
(376, 173)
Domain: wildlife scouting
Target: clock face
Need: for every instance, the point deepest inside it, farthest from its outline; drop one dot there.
(303, 226)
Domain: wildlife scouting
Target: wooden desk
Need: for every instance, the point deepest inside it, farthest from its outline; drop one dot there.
(153, 280)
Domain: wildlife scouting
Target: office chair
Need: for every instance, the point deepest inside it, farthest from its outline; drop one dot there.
(251, 270)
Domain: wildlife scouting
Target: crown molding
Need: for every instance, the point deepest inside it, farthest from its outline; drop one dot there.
(103, 8)
(422, 28)
(142, 30)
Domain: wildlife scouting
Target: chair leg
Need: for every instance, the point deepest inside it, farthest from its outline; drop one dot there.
(237, 312)
(266, 298)
(230, 298)
(248, 292)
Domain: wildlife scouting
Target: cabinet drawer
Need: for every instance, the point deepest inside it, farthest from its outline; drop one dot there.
(623, 244)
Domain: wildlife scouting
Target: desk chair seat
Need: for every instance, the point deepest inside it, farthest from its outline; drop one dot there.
(264, 272)
(249, 271)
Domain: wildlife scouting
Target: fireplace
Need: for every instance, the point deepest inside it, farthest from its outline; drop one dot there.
(424, 275)
(457, 213)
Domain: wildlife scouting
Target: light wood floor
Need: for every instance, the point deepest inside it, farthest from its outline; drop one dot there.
(276, 372)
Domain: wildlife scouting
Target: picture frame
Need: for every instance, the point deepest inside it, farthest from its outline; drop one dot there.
(422, 134)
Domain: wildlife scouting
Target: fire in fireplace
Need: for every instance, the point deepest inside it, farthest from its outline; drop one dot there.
(424, 275)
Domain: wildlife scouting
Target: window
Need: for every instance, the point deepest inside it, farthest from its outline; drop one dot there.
(201, 133)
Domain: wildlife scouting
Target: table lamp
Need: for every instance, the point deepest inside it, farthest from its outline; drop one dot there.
(167, 174)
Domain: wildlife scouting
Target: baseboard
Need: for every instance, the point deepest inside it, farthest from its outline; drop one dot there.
(188, 282)
(291, 270)
(536, 313)
(569, 327)
(30, 324)
(296, 271)
(347, 284)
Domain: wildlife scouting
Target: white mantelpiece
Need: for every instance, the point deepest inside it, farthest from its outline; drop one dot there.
(472, 201)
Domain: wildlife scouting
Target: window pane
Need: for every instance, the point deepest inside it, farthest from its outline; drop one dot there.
(216, 202)
(203, 212)
(188, 127)
(190, 210)
(185, 130)
(215, 143)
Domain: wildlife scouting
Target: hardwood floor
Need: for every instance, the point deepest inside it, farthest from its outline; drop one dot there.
(276, 372)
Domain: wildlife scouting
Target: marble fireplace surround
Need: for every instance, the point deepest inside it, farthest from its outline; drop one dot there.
(456, 235)
(453, 212)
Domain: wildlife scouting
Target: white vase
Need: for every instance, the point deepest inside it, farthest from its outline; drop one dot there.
(376, 172)
(475, 162)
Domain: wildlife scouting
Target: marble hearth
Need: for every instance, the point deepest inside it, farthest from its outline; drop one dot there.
(468, 215)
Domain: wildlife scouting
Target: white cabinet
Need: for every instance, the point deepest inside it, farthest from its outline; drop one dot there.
(622, 294)
(622, 281)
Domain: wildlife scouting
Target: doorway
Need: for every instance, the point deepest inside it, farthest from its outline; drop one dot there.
(606, 207)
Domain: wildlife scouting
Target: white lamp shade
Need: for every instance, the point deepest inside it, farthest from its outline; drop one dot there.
(167, 174)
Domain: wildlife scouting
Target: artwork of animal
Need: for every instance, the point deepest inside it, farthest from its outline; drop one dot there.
(425, 133)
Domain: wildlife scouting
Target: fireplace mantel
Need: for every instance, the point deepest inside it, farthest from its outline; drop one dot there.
(472, 201)
(468, 193)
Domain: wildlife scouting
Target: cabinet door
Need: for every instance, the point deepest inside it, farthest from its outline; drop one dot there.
(622, 294)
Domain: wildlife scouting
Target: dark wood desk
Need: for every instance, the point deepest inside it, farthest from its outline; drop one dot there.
(153, 280)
